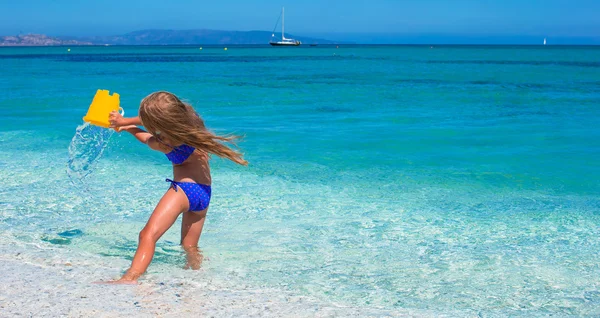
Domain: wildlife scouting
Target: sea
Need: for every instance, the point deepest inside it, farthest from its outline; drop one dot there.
(420, 181)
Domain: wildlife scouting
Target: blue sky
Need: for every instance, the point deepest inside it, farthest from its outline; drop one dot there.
(341, 20)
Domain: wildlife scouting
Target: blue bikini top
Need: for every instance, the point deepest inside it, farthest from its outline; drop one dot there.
(180, 154)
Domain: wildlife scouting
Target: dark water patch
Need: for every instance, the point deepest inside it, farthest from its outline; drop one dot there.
(332, 109)
(556, 87)
(593, 296)
(257, 84)
(524, 113)
(62, 238)
(56, 240)
(534, 85)
(71, 233)
(42, 73)
(480, 82)
(170, 58)
(506, 62)
(310, 76)
(425, 81)
(340, 81)
(474, 83)
(337, 78)
(589, 86)
(437, 82)
(286, 81)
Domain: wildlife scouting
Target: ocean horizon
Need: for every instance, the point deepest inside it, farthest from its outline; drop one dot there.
(315, 45)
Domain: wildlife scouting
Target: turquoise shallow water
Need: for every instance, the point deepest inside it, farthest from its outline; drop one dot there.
(448, 179)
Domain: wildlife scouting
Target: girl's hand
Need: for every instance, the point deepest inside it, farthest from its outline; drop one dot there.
(116, 120)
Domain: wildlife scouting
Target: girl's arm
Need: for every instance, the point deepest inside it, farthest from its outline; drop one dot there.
(145, 137)
(117, 120)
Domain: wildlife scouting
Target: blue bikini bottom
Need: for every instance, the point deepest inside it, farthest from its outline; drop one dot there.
(198, 194)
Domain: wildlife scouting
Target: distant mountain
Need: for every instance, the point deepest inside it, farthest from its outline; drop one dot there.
(202, 36)
(158, 37)
(38, 40)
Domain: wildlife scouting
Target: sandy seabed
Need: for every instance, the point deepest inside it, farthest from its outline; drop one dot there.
(39, 282)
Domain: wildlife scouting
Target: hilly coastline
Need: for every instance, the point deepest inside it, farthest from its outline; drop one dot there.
(157, 37)
(38, 40)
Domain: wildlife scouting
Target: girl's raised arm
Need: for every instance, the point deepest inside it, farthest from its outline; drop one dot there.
(145, 137)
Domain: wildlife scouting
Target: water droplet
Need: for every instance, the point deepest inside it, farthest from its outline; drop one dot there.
(85, 149)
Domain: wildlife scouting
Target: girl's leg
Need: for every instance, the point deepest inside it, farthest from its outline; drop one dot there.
(191, 229)
(165, 214)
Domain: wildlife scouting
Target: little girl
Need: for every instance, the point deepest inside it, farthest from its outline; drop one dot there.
(175, 129)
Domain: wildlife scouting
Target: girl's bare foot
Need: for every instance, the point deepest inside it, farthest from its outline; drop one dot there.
(130, 278)
(118, 282)
(194, 257)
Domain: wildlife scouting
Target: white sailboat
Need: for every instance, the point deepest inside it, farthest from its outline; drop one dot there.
(544, 41)
(284, 41)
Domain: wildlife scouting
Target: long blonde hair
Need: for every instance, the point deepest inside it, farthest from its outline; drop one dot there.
(164, 112)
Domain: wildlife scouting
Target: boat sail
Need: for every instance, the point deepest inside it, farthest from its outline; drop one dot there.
(544, 41)
(284, 41)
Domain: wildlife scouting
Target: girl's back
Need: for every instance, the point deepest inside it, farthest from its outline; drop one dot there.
(194, 169)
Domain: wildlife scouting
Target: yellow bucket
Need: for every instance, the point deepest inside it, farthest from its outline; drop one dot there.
(101, 107)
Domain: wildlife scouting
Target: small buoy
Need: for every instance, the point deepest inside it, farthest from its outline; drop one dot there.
(68, 50)
(200, 48)
(225, 49)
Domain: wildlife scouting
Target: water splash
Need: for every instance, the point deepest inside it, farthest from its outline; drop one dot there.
(85, 150)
